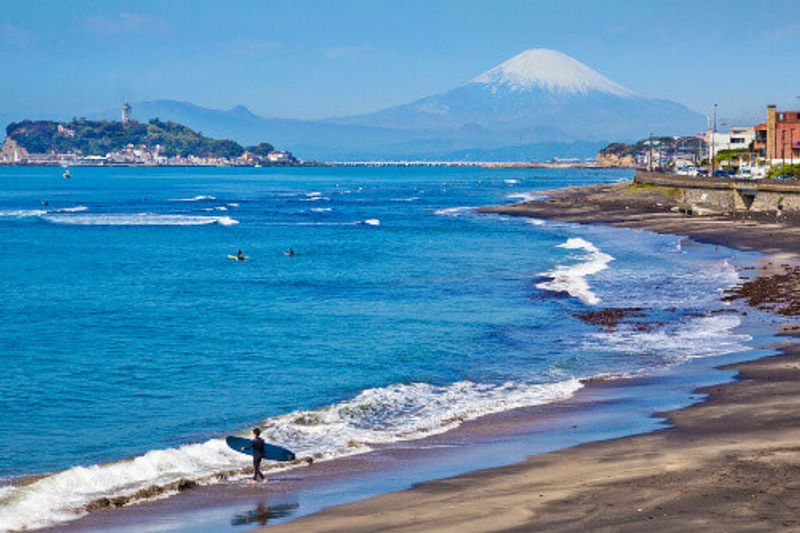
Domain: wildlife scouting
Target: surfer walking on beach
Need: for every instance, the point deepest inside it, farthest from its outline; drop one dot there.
(258, 453)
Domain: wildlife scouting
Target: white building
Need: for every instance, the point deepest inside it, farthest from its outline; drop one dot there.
(277, 156)
(736, 138)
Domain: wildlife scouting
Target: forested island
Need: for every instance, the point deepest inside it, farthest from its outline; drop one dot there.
(156, 142)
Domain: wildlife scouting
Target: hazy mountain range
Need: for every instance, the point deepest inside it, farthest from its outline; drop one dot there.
(537, 105)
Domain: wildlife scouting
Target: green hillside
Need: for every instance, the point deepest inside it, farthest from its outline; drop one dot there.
(99, 137)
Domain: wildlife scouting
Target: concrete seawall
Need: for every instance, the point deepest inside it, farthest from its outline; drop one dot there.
(728, 194)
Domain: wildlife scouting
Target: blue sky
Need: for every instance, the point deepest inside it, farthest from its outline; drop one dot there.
(308, 59)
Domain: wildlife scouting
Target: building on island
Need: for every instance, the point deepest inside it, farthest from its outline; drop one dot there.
(279, 156)
(778, 139)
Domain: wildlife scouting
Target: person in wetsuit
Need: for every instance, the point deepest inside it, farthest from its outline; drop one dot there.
(257, 444)
(240, 255)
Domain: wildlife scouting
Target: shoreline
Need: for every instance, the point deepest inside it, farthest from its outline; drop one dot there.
(384, 460)
(729, 462)
(713, 468)
(591, 415)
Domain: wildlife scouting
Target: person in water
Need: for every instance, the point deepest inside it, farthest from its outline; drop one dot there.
(291, 251)
(257, 444)
(240, 255)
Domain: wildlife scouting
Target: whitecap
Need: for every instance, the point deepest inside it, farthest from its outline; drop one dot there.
(372, 222)
(76, 209)
(198, 198)
(571, 279)
(21, 213)
(454, 211)
(138, 219)
(526, 197)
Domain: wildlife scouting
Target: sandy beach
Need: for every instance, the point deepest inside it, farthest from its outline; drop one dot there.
(729, 463)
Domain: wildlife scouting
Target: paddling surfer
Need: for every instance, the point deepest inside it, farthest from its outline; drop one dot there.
(257, 444)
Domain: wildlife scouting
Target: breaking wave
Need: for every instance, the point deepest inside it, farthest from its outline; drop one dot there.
(571, 279)
(137, 219)
(703, 336)
(454, 211)
(22, 213)
(76, 209)
(526, 196)
(199, 198)
(380, 415)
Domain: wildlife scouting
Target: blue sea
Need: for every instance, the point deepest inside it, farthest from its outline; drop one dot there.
(130, 343)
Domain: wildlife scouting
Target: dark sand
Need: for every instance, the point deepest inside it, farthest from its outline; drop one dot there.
(730, 463)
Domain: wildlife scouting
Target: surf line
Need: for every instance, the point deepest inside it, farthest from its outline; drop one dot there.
(571, 279)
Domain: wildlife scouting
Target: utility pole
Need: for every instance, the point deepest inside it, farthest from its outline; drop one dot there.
(791, 146)
(713, 143)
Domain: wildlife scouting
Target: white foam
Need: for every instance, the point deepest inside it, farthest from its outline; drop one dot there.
(379, 415)
(372, 222)
(526, 196)
(454, 211)
(410, 199)
(76, 209)
(21, 213)
(321, 209)
(232, 204)
(704, 336)
(535, 221)
(511, 182)
(218, 208)
(137, 219)
(571, 279)
(199, 198)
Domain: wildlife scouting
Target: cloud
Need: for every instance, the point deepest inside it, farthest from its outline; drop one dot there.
(123, 23)
(340, 52)
(16, 36)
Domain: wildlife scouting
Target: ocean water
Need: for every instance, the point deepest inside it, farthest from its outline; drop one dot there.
(130, 343)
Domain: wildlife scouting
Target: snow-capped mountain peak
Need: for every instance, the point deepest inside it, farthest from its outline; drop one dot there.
(549, 70)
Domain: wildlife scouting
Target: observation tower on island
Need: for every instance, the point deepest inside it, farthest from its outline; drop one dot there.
(126, 113)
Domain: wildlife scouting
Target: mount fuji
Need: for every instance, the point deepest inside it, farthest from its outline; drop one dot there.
(537, 105)
(539, 95)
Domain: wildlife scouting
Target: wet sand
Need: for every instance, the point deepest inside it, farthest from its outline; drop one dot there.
(730, 463)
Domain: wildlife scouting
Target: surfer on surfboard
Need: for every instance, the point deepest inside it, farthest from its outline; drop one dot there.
(240, 256)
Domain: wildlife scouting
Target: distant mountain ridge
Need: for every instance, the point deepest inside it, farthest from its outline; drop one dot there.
(540, 99)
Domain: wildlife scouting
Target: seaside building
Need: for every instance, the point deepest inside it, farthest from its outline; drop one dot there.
(737, 138)
(778, 139)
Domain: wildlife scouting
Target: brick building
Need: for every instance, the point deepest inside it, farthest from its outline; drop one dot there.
(779, 137)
